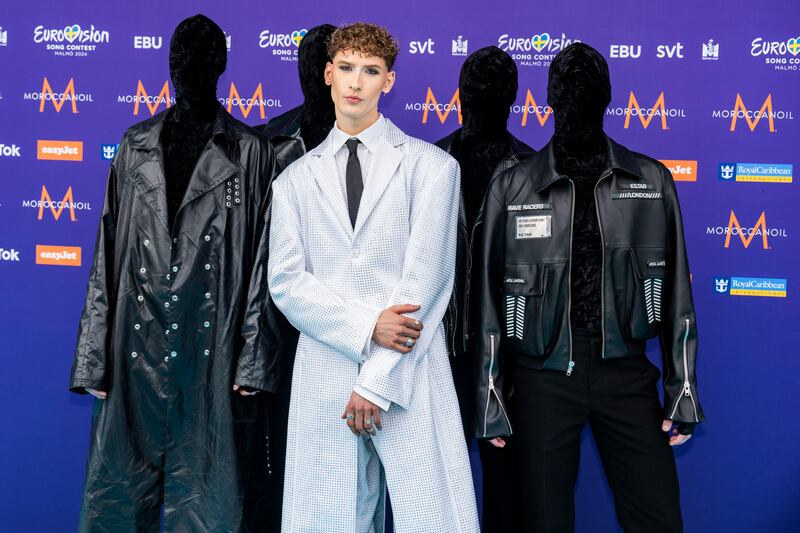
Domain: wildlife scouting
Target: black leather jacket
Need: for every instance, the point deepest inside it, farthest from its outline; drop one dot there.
(283, 133)
(523, 278)
(456, 318)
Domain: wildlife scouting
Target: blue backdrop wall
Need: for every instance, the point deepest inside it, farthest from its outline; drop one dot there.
(712, 88)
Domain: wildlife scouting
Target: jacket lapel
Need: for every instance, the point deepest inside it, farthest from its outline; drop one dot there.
(211, 169)
(323, 167)
(384, 163)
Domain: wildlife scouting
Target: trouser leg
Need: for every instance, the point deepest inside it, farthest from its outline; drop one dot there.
(549, 411)
(639, 463)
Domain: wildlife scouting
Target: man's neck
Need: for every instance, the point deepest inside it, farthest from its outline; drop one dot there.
(353, 127)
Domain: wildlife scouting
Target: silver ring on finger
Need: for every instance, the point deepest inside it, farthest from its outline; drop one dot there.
(350, 416)
(409, 342)
(369, 421)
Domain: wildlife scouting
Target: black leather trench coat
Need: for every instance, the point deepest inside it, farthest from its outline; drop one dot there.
(173, 317)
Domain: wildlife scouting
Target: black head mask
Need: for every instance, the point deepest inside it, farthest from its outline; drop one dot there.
(487, 87)
(197, 58)
(311, 61)
(578, 90)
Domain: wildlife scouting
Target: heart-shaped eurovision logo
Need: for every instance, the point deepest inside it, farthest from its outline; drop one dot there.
(298, 35)
(71, 32)
(540, 41)
(793, 45)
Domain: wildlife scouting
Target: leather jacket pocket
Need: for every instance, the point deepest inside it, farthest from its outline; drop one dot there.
(646, 283)
(528, 325)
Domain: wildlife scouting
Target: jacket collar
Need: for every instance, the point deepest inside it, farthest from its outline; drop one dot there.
(383, 165)
(544, 164)
(213, 167)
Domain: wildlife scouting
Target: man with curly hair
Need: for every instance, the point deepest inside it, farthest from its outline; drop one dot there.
(362, 258)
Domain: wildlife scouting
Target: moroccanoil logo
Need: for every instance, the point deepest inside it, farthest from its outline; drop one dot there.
(58, 99)
(58, 255)
(441, 109)
(542, 113)
(150, 99)
(751, 116)
(759, 231)
(59, 150)
(647, 114)
(246, 105)
(56, 208)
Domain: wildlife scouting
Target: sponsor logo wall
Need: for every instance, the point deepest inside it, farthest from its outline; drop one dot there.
(708, 90)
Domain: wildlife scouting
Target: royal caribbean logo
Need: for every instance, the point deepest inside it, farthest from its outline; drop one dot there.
(59, 99)
(536, 50)
(647, 114)
(108, 151)
(681, 169)
(70, 41)
(759, 231)
(283, 45)
(738, 286)
(781, 55)
(245, 105)
(751, 116)
(152, 99)
(756, 172)
(56, 208)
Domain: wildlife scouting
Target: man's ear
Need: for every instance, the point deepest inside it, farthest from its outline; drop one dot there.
(390, 79)
(328, 73)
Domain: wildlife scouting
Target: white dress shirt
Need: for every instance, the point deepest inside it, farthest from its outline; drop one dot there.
(364, 152)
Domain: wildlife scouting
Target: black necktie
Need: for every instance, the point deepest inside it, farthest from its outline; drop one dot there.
(355, 185)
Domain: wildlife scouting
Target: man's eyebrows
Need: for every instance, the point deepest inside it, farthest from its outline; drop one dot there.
(349, 64)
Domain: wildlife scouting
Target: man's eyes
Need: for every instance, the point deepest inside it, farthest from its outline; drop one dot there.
(370, 71)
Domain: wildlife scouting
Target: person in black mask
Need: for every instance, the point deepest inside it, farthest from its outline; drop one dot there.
(484, 148)
(174, 326)
(302, 128)
(582, 260)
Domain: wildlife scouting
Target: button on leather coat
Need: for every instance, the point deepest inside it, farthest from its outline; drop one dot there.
(173, 317)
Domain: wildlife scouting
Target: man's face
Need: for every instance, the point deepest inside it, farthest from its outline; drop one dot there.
(356, 84)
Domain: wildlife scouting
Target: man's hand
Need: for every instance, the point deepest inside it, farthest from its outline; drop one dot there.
(393, 330)
(97, 393)
(362, 416)
(498, 442)
(243, 391)
(675, 438)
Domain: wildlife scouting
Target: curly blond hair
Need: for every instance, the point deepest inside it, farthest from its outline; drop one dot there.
(365, 39)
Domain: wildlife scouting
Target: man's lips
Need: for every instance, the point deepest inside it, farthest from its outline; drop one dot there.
(353, 99)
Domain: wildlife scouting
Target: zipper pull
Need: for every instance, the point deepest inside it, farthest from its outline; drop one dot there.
(491, 383)
(571, 366)
(687, 390)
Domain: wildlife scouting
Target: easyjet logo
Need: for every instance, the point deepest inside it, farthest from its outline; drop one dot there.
(681, 169)
(58, 255)
(59, 150)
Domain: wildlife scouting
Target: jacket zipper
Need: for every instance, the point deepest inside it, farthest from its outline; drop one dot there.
(468, 284)
(571, 364)
(491, 390)
(687, 388)
(602, 265)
